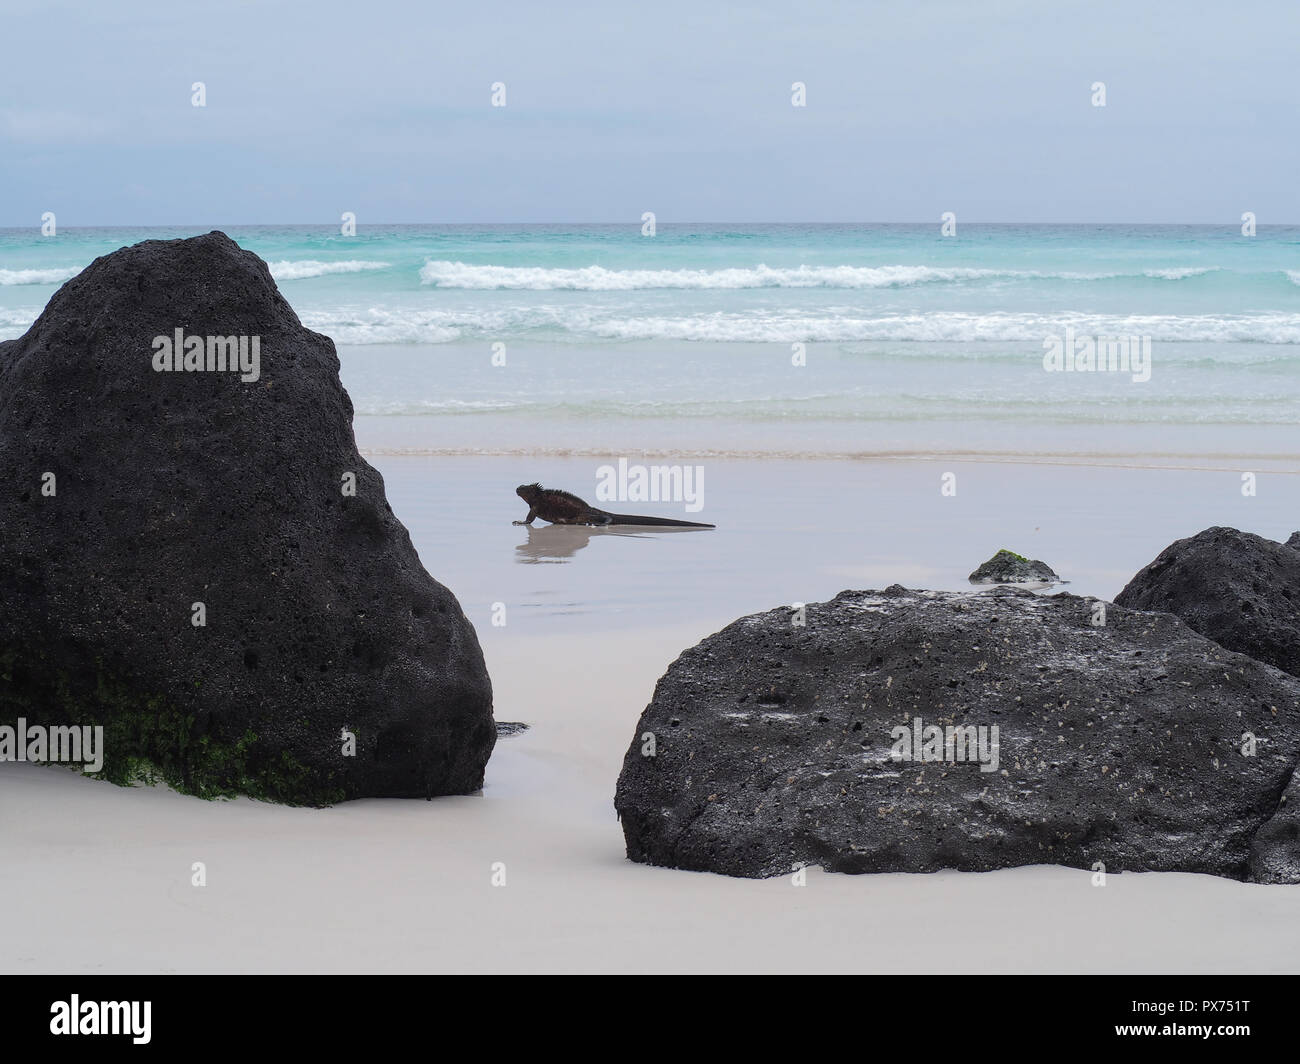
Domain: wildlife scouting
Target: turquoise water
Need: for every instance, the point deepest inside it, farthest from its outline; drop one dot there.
(913, 341)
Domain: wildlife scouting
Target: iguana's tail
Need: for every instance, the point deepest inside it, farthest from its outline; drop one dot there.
(633, 519)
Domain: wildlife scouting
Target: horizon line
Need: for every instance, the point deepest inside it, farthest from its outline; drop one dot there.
(630, 224)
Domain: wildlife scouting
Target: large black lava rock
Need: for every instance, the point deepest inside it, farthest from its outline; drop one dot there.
(131, 494)
(1239, 589)
(1120, 739)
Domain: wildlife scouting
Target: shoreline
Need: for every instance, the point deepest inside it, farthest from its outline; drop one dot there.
(1190, 462)
(521, 436)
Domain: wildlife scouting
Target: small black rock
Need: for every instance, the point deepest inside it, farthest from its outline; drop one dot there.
(1007, 567)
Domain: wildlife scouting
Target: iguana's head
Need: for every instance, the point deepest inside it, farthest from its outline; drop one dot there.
(530, 493)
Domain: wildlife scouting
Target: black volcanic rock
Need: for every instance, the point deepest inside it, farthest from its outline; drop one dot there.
(177, 488)
(1007, 567)
(1294, 541)
(1239, 589)
(1275, 852)
(1118, 742)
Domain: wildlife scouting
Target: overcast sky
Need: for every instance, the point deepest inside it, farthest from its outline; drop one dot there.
(383, 107)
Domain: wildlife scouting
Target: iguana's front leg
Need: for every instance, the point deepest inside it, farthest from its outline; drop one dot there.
(532, 516)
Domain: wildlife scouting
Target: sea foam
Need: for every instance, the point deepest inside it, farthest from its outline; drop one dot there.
(586, 324)
(444, 274)
(51, 276)
(287, 270)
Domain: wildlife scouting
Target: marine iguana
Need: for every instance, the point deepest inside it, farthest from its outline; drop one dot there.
(561, 508)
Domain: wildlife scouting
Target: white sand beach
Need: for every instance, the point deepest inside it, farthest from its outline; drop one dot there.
(102, 875)
(886, 289)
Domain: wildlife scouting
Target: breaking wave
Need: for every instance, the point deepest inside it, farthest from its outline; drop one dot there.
(461, 275)
(296, 271)
(53, 276)
(578, 324)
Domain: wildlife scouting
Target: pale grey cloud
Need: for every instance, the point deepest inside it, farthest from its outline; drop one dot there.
(977, 106)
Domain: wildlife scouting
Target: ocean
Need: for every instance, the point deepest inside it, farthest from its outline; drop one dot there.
(780, 340)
